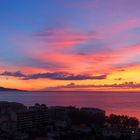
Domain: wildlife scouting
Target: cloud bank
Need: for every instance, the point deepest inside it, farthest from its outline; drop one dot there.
(14, 74)
(74, 86)
(54, 76)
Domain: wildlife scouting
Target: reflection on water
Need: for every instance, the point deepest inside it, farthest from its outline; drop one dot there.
(118, 103)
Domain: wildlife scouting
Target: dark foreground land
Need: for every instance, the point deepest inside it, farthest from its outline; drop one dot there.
(39, 122)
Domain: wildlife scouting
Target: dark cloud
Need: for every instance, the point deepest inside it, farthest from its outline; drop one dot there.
(119, 79)
(14, 74)
(81, 54)
(53, 75)
(122, 85)
(121, 70)
(63, 76)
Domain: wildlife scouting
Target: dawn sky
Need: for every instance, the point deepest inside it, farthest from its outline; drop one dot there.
(70, 44)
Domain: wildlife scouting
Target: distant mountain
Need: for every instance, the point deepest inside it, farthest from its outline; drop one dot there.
(9, 89)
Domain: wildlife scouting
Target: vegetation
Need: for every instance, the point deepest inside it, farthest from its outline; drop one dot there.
(122, 121)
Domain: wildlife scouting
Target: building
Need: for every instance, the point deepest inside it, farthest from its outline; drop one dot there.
(35, 116)
(93, 110)
(7, 107)
(8, 126)
(60, 113)
(8, 110)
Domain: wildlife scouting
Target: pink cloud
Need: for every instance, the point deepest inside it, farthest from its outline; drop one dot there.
(100, 62)
(64, 37)
(48, 46)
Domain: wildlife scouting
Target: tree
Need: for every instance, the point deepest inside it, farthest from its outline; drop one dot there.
(133, 122)
(123, 121)
(114, 120)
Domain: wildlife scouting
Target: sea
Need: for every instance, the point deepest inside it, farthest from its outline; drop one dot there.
(123, 103)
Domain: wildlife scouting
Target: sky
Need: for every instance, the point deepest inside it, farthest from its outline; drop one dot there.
(70, 44)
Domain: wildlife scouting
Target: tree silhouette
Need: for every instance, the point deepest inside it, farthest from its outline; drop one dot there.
(122, 121)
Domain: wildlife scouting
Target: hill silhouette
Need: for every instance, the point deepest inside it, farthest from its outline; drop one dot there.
(9, 89)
